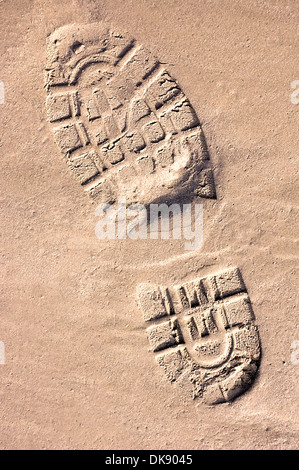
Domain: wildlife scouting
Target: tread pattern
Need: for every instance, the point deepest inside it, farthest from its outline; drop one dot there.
(203, 334)
(121, 121)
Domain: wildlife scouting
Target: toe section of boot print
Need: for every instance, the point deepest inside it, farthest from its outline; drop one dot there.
(120, 120)
(203, 334)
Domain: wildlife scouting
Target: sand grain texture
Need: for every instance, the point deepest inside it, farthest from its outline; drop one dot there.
(78, 373)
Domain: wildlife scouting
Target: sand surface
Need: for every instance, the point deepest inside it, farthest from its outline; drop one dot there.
(78, 372)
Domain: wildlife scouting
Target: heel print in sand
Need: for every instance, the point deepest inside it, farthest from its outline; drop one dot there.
(121, 121)
(203, 335)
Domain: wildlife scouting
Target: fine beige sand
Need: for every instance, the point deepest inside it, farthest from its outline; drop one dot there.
(78, 372)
